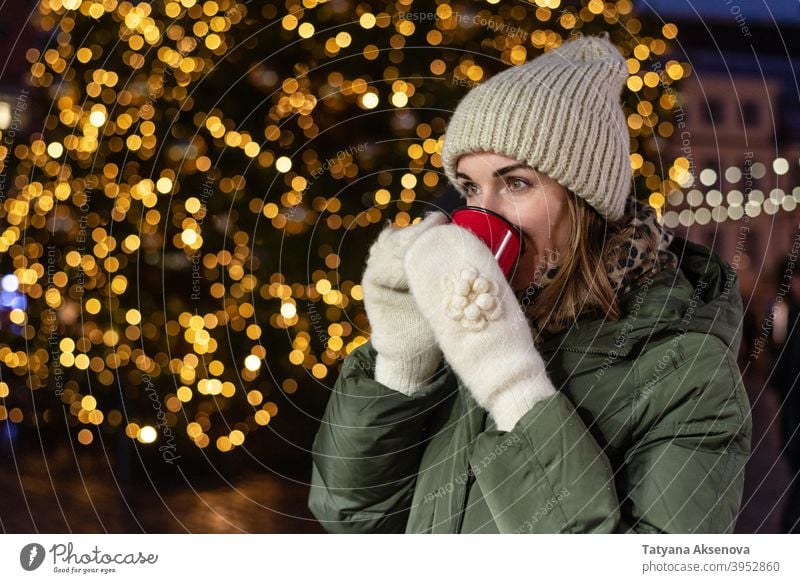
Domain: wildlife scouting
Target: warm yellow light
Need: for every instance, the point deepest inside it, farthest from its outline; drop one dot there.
(682, 163)
(289, 22)
(236, 437)
(119, 284)
(306, 30)
(367, 20)
(399, 99)
(252, 363)
(408, 181)
(55, 150)
(675, 71)
(252, 150)
(382, 196)
(289, 310)
(596, 6)
(131, 243)
(147, 434)
(641, 52)
(635, 83)
(656, 200)
(194, 430)
(85, 437)
(164, 185)
(192, 204)
(669, 31)
(283, 164)
(89, 403)
(97, 118)
(651, 79)
(17, 316)
(370, 100)
(213, 41)
(262, 417)
(216, 367)
(319, 370)
(133, 317)
(343, 39)
(189, 237)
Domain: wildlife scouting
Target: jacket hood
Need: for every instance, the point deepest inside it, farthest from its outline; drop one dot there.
(701, 295)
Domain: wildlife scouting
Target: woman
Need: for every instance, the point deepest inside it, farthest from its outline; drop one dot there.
(597, 391)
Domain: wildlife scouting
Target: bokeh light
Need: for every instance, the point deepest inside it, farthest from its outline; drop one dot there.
(175, 226)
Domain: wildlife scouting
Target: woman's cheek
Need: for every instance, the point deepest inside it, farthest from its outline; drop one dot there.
(525, 271)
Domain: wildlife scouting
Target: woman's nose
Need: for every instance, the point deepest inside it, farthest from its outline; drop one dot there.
(493, 203)
(488, 201)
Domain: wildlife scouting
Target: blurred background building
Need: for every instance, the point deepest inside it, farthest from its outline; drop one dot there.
(739, 142)
(741, 138)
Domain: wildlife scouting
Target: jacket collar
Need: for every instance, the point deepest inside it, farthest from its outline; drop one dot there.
(701, 295)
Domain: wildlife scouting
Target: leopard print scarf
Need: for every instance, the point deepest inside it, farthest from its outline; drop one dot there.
(630, 265)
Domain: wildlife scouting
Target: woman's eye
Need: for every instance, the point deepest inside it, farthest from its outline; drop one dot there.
(517, 184)
(470, 190)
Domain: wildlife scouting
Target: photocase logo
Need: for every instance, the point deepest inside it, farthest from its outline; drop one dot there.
(31, 556)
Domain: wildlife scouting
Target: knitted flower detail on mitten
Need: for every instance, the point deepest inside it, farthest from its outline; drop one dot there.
(471, 299)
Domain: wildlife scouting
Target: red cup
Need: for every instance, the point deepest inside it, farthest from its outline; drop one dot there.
(502, 237)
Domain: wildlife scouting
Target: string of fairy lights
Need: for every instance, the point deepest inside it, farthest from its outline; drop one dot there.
(112, 183)
(739, 198)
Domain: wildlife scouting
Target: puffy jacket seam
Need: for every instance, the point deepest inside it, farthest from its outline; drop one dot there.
(670, 428)
(338, 510)
(733, 373)
(539, 468)
(679, 362)
(724, 479)
(634, 398)
(733, 429)
(367, 515)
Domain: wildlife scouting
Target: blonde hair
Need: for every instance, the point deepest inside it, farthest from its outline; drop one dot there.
(582, 283)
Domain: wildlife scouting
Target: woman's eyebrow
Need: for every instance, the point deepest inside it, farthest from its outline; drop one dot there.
(507, 169)
(499, 171)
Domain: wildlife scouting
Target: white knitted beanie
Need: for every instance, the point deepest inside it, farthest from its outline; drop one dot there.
(561, 114)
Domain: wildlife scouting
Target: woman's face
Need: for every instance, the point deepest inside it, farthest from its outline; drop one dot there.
(532, 201)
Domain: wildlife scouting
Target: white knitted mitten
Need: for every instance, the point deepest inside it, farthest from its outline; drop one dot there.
(477, 321)
(407, 353)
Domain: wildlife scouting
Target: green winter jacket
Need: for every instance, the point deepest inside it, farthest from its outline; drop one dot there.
(649, 431)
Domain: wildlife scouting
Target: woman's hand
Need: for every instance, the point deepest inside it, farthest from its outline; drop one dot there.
(407, 353)
(477, 322)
